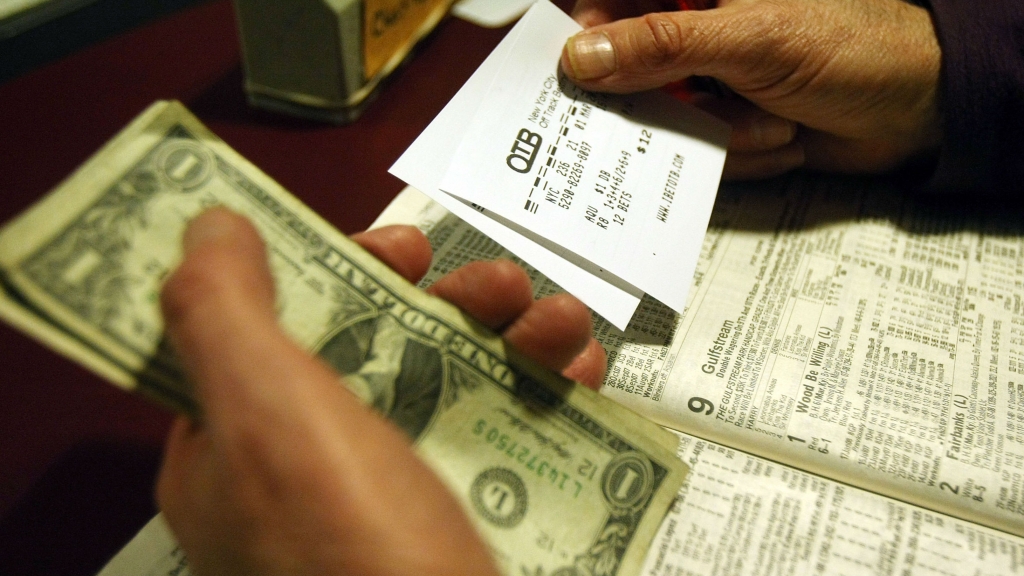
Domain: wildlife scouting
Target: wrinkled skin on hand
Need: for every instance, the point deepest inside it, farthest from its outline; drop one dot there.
(844, 85)
(287, 472)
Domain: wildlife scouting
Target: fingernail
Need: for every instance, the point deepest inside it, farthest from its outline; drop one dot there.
(772, 131)
(590, 55)
(210, 226)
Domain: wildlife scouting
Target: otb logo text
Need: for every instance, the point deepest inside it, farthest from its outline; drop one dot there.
(524, 151)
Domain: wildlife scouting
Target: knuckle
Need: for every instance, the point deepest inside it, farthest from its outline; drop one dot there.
(778, 47)
(572, 314)
(772, 28)
(250, 452)
(660, 41)
(512, 275)
(774, 19)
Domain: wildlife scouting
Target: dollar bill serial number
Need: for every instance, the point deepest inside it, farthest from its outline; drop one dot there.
(527, 459)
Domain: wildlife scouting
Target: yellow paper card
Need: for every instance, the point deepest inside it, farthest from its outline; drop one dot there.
(391, 27)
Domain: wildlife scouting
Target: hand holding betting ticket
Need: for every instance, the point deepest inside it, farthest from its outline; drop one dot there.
(620, 187)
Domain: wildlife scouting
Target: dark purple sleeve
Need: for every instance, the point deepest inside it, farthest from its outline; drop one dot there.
(982, 95)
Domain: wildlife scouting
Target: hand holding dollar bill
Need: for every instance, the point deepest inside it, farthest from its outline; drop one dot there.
(286, 467)
(556, 479)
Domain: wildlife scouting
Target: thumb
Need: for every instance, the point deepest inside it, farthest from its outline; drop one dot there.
(650, 51)
(220, 318)
(219, 312)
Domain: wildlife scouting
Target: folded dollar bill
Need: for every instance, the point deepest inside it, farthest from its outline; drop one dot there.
(558, 479)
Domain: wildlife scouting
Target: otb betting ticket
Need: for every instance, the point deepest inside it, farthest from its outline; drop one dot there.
(620, 186)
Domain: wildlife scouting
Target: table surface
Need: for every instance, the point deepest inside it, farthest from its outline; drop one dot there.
(78, 457)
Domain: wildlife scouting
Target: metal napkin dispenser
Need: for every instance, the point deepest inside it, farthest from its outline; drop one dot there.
(324, 59)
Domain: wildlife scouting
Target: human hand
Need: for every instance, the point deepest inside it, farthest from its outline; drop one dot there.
(287, 473)
(846, 86)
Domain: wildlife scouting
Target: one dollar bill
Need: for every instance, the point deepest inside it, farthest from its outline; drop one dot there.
(558, 479)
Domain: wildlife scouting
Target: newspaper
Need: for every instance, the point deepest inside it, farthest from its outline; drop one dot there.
(850, 330)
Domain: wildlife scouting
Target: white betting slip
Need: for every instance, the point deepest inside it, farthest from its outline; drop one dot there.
(425, 162)
(607, 196)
